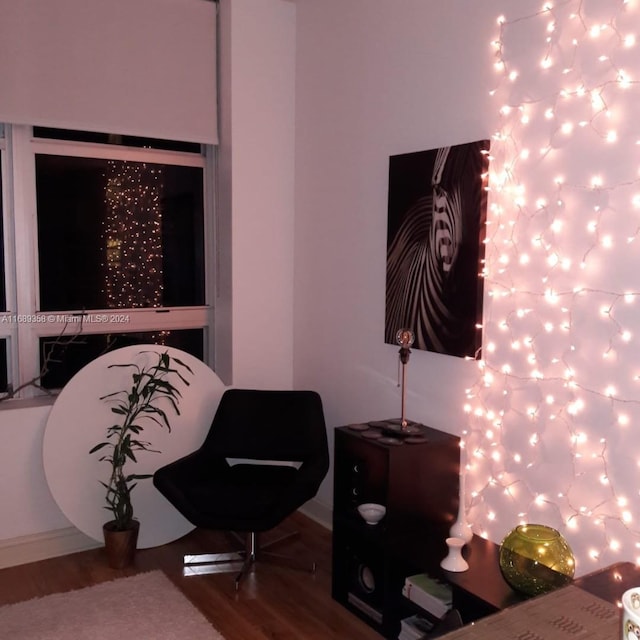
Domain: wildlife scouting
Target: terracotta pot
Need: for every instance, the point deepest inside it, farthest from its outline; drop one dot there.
(120, 545)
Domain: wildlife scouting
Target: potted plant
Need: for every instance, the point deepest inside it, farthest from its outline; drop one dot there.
(152, 396)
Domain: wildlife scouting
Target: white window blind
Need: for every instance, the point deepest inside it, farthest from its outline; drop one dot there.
(135, 67)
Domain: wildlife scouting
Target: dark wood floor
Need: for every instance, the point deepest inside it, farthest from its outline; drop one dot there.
(274, 603)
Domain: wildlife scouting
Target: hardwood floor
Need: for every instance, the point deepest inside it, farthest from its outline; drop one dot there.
(274, 603)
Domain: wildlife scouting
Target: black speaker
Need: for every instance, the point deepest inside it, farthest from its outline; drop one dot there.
(365, 582)
(366, 577)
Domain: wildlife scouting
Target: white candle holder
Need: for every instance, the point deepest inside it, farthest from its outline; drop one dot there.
(454, 560)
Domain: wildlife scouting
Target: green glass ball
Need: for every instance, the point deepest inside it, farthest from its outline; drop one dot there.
(535, 559)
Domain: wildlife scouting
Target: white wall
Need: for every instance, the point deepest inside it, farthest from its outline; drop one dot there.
(374, 79)
(25, 498)
(262, 139)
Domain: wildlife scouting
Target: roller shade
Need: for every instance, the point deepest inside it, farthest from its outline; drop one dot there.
(136, 67)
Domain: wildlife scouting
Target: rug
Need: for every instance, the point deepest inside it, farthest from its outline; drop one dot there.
(146, 606)
(568, 613)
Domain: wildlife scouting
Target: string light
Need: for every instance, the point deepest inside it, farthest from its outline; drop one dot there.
(558, 391)
(132, 235)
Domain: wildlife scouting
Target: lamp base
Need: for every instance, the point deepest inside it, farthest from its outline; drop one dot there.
(396, 427)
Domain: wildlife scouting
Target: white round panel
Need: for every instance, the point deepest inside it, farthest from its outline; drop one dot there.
(79, 420)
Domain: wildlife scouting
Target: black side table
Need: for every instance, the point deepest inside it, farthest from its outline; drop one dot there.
(611, 582)
(481, 590)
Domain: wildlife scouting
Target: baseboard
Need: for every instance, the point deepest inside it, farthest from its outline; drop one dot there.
(319, 512)
(60, 542)
(40, 546)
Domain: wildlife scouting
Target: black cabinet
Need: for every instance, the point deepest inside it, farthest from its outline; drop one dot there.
(418, 483)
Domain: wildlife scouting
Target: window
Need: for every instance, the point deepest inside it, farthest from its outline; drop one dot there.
(107, 244)
(3, 303)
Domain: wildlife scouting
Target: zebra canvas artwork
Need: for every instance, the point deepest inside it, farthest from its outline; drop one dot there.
(435, 247)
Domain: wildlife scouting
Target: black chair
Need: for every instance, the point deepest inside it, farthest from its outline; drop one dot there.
(265, 455)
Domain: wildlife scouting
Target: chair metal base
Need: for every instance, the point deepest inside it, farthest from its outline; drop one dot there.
(243, 561)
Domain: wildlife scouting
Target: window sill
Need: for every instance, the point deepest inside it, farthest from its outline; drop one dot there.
(27, 403)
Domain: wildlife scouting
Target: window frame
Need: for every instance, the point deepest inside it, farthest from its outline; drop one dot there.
(23, 324)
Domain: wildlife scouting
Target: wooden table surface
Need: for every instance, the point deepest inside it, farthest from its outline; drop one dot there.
(611, 582)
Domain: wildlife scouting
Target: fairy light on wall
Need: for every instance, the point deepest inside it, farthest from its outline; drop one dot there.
(132, 235)
(553, 414)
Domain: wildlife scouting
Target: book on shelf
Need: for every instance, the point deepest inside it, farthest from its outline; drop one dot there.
(415, 627)
(427, 592)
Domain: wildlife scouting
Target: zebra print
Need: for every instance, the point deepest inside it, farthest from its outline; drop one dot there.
(433, 258)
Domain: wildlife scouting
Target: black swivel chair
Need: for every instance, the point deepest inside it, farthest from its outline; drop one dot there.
(231, 483)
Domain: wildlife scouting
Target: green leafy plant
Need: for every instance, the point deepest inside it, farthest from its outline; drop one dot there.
(152, 395)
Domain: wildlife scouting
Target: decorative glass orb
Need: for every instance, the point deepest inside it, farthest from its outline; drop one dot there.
(535, 559)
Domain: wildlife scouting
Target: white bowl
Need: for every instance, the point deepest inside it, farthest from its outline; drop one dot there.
(371, 512)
